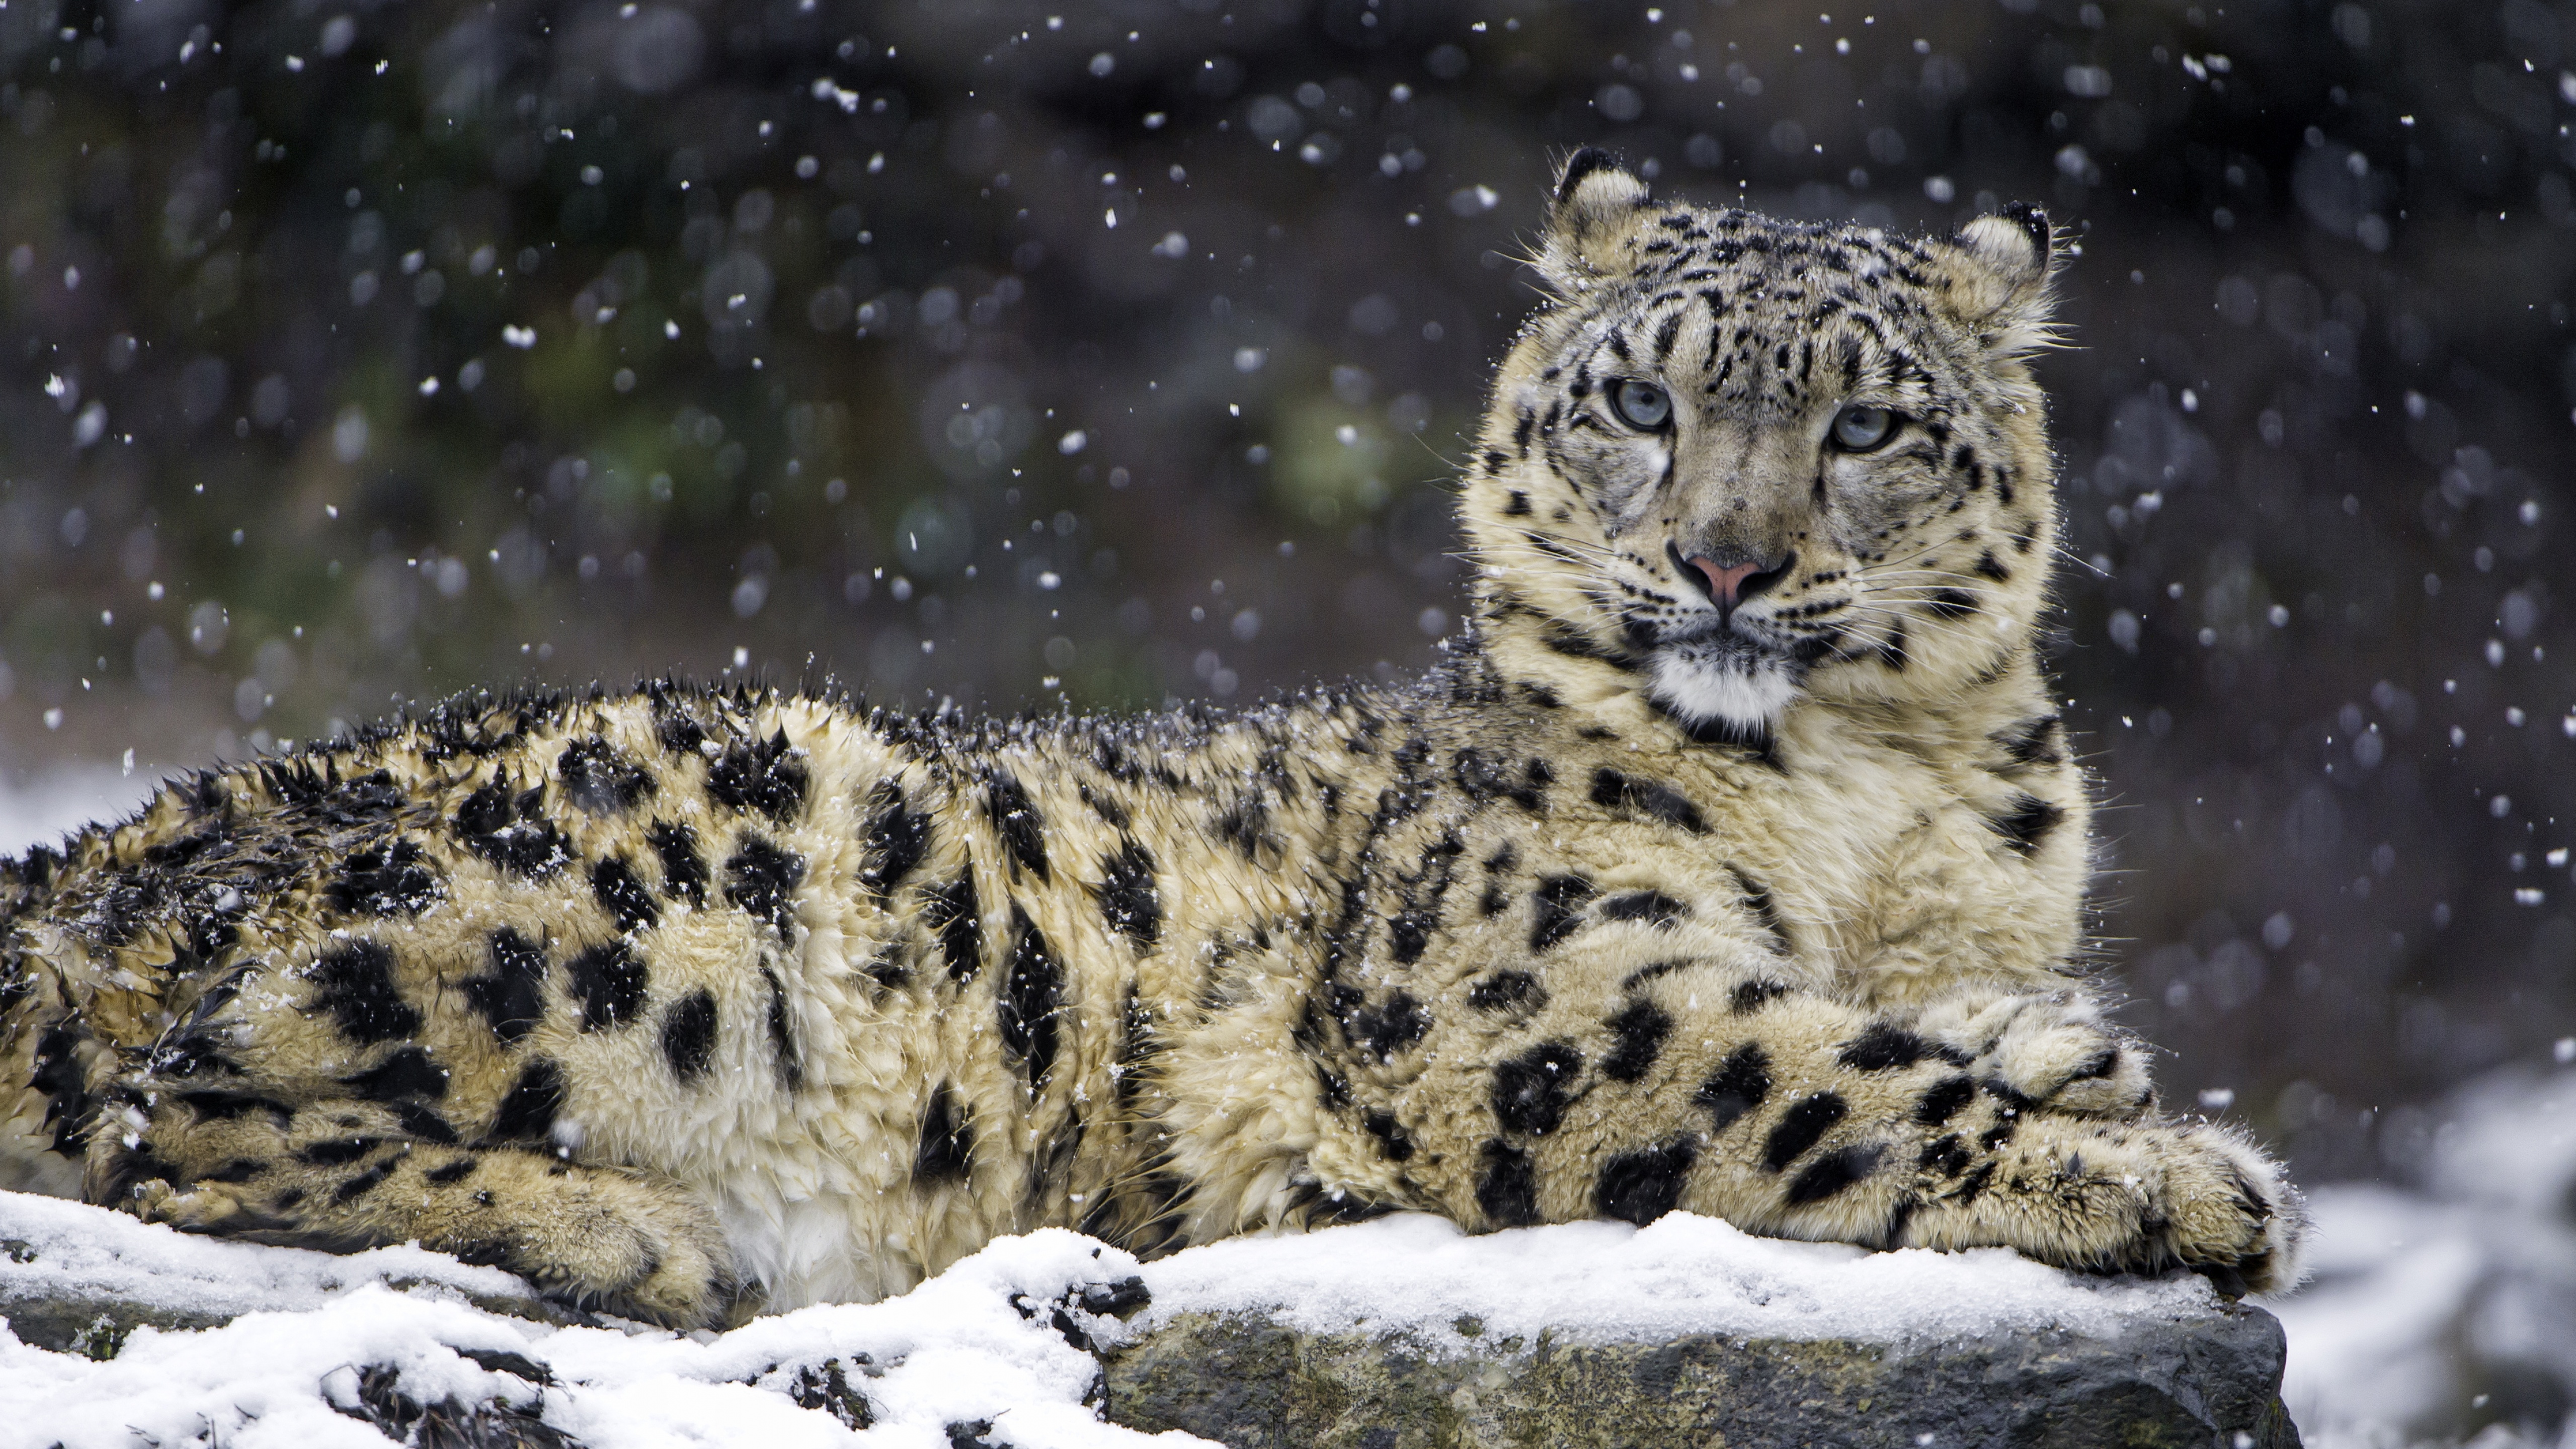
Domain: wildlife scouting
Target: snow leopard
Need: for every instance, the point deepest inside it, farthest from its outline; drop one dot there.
(1731, 860)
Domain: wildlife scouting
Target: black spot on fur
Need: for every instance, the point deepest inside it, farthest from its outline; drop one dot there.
(2101, 1064)
(1999, 1134)
(354, 982)
(689, 1035)
(364, 1183)
(1989, 567)
(887, 968)
(1974, 1185)
(1508, 991)
(1652, 907)
(1031, 996)
(1883, 1047)
(1639, 1187)
(2026, 825)
(510, 996)
(1129, 901)
(1756, 898)
(1739, 1085)
(1507, 1188)
(951, 910)
(1808, 1119)
(1895, 650)
(1394, 1142)
(946, 1152)
(511, 831)
(389, 881)
(2004, 1092)
(679, 733)
(764, 775)
(1408, 935)
(1944, 1155)
(782, 1039)
(1530, 1090)
(2031, 742)
(1380, 1029)
(1752, 996)
(623, 895)
(1022, 829)
(1831, 1173)
(1639, 1032)
(1950, 603)
(599, 778)
(336, 1151)
(684, 869)
(1557, 909)
(421, 1124)
(1518, 505)
(527, 1114)
(762, 879)
(1484, 777)
(1612, 790)
(897, 838)
(610, 980)
(221, 1106)
(407, 1073)
(454, 1172)
(240, 1169)
(1943, 1099)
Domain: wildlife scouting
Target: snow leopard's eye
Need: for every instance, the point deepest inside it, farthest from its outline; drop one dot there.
(1860, 428)
(1641, 405)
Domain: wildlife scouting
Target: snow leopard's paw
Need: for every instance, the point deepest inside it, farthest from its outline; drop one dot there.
(622, 1242)
(2131, 1198)
(2048, 1051)
(2232, 1214)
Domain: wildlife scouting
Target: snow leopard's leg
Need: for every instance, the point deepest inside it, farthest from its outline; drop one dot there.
(342, 1174)
(2047, 1049)
(1787, 1112)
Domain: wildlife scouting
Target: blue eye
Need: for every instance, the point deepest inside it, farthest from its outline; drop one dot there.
(1641, 405)
(1860, 428)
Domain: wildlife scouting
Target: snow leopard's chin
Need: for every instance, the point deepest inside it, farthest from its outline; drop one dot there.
(1724, 681)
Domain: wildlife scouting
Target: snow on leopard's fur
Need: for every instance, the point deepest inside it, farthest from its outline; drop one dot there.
(681, 1002)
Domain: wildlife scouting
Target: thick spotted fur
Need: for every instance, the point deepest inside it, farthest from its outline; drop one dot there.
(1660, 891)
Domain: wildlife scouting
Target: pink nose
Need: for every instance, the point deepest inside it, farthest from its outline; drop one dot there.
(1724, 584)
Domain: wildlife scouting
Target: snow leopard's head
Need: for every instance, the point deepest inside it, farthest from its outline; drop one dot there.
(1737, 460)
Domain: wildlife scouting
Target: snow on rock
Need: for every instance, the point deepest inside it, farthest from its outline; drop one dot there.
(1689, 1331)
(1605, 1282)
(981, 1342)
(977, 1344)
(70, 1250)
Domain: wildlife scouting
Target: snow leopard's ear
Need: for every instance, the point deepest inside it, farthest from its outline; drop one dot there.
(1996, 278)
(1589, 222)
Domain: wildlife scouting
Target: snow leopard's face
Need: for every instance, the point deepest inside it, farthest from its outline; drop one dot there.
(1743, 458)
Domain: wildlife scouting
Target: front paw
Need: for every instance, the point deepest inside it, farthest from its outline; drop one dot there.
(2232, 1214)
(2147, 1197)
(2049, 1051)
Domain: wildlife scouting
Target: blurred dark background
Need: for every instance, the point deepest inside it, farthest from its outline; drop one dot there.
(1119, 353)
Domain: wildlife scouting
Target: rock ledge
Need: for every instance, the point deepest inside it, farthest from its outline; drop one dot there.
(1251, 1381)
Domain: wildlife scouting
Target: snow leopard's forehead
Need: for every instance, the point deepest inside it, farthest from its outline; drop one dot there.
(1769, 315)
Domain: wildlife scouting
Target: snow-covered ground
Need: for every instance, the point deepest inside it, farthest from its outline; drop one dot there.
(979, 1342)
(2437, 1316)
